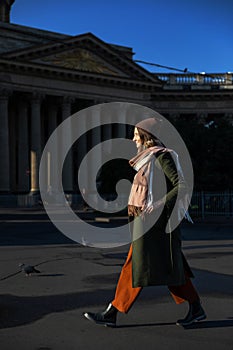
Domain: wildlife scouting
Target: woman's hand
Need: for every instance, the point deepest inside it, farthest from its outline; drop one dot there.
(148, 209)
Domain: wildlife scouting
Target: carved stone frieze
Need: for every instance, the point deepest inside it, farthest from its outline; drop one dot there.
(80, 59)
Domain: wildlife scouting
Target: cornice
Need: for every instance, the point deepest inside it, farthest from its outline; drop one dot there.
(182, 95)
(41, 70)
(87, 41)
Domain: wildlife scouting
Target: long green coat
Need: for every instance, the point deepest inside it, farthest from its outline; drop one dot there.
(157, 257)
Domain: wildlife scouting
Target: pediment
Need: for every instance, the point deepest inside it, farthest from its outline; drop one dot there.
(82, 60)
(85, 53)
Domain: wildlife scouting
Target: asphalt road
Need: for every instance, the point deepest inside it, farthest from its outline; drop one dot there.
(44, 311)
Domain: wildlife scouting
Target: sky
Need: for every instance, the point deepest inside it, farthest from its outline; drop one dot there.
(192, 34)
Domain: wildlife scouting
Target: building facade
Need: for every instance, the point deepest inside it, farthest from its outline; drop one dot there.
(45, 77)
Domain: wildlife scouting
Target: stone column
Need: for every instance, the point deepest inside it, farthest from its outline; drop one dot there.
(81, 151)
(107, 133)
(95, 160)
(4, 143)
(23, 161)
(52, 118)
(121, 130)
(35, 141)
(52, 173)
(66, 138)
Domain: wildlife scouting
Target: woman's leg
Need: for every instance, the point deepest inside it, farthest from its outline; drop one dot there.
(125, 294)
(185, 292)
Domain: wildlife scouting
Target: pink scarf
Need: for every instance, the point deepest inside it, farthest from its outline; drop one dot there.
(154, 150)
(143, 162)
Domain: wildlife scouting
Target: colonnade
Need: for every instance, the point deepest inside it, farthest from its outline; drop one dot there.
(26, 122)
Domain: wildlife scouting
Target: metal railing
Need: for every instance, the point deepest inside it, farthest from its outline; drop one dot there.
(211, 204)
(196, 79)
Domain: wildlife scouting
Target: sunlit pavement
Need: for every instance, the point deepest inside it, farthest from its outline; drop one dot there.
(44, 311)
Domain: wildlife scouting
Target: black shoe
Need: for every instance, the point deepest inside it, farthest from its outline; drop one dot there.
(106, 318)
(196, 313)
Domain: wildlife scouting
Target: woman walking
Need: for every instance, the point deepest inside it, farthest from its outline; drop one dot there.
(155, 256)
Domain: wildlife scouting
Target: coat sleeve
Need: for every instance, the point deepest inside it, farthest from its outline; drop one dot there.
(175, 183)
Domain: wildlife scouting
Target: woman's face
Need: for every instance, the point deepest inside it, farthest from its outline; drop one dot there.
(137, 139)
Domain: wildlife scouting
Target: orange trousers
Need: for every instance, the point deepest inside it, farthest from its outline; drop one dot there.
(126, 295)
